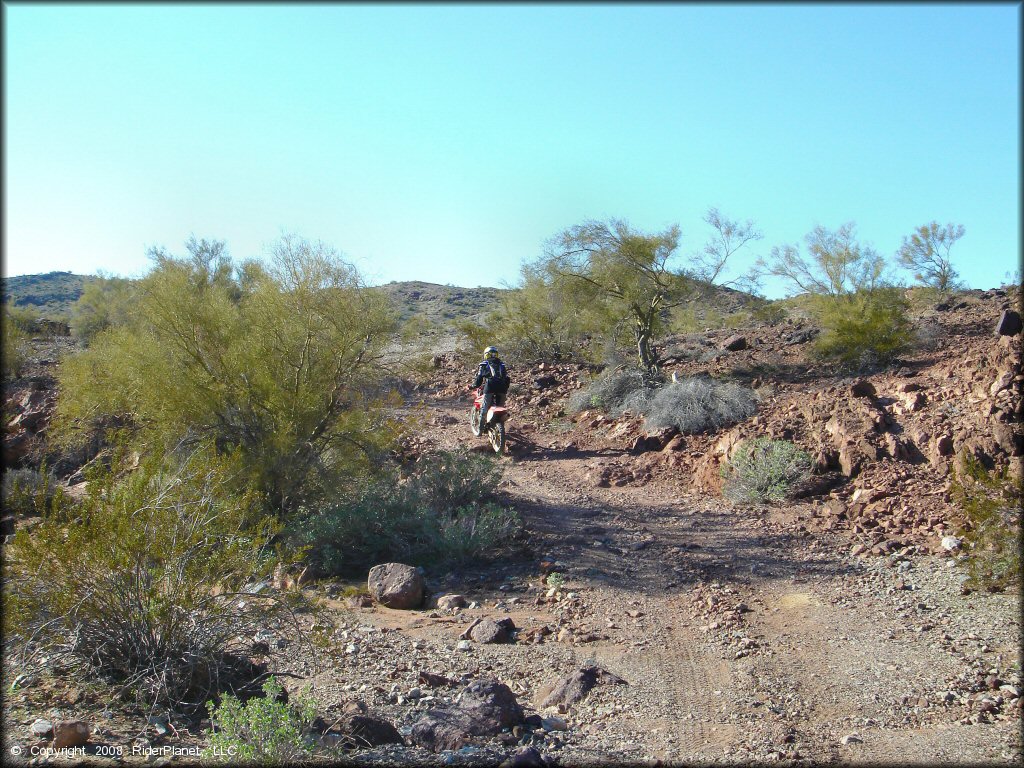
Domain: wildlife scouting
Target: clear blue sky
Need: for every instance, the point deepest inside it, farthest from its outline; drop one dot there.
(447, 143)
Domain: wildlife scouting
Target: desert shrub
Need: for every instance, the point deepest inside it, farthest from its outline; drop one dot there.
(15, 347)
(149, 585)
(862, 314)
(769, 312)
(440, 513)
(991, 503)
(610, 390)
(263, 731)
(864, 329)
(764, 470)
(29, 492)
(279, 365)
(105, 302)
(698, 404)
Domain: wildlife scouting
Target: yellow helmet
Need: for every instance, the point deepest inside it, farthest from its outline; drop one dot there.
(490, 353)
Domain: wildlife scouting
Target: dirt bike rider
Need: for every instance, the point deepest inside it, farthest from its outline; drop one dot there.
(495, 379)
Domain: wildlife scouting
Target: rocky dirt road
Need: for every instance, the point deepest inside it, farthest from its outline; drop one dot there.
(741, 635)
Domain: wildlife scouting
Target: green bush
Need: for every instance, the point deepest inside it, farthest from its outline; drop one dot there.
(263, 731)
(148, 585)
(864, 329)
(440, 513)
(105, 302)
(764, 470)
(991, 503)
(699, 404)
(15, 347)
(28, 492)
(279, 366)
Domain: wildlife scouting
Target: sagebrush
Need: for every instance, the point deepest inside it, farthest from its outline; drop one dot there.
(149, 582)
(699, 404)
(764, 470)
(441, 512)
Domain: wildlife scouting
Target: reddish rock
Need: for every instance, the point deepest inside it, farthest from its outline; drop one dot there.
(735, 343)
(70, 733)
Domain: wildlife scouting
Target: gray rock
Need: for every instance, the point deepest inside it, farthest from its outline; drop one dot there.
(577, 685)
(491, 631)
(1009, 323)
(396, 585)
(42, 728)
(484, 709)
(451, 601)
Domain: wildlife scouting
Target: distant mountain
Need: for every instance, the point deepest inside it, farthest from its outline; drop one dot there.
(442, 304)
(51, 295)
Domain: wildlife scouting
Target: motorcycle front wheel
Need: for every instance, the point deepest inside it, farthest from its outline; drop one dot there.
(496, 434)
(474, 421)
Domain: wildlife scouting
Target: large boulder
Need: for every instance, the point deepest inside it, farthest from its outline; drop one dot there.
(735, 343)
(484, 709)
(396, 585)
(1009, 323)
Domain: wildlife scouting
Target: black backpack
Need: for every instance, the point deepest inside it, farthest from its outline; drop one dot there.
(499, 378)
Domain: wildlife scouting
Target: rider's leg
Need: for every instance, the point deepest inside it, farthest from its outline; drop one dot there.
(485, 406)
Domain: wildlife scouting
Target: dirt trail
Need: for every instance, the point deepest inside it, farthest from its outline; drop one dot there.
(824, 645)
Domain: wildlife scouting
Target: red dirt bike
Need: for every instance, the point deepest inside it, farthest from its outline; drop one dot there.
(494, 425)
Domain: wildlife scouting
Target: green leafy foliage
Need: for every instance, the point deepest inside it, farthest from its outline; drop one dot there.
(15, 347)
(926, 253)
(263, 731)
(105, 302)
(764, 470)
(145, 583)
(439, 513)
(279, 366)
(28, 492)
(991, 503)
(863, 316)
(864, 329)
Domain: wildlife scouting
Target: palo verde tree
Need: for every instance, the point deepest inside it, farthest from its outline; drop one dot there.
(278, 366)
(631, 278)
(926, 254)
(863, 314)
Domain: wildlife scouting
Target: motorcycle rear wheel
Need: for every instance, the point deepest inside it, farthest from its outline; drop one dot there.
(496, 434)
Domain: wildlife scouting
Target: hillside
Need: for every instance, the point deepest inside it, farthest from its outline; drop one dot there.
(51, 294)
(649, 620)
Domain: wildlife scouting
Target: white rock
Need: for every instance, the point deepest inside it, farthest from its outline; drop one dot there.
(951, 543)
(41, 727)
(464, 645)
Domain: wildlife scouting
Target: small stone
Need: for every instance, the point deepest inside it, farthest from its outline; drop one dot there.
(41, 728)
(951, 543)
(464, 645)
(862, 388)
(70, 733)
(451, 601)
(554, 724)
(852, 739)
